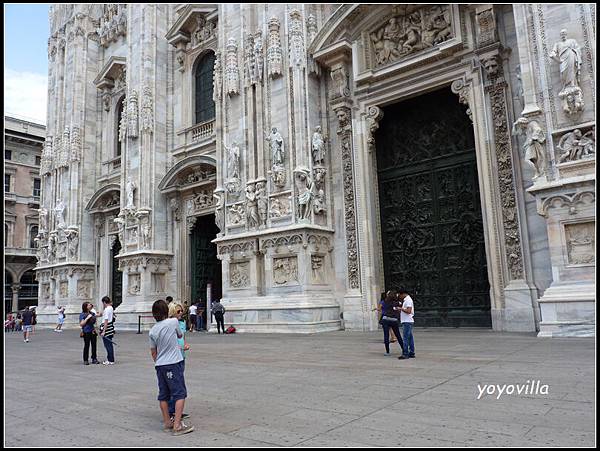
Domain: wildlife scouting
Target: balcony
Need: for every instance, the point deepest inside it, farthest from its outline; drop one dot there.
(197, 135)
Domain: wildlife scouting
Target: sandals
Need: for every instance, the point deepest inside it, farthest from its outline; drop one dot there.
(184, 429)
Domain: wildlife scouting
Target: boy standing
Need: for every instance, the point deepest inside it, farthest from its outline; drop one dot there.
(168, 359)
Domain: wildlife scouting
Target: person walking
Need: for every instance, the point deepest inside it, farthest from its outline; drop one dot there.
(176, 311)
(34, 319)
(193, 310)
(219, 311)
(168, 363)
(27, 317)
(407, 314)
(108, 330)
(61, 318)
(379, 308)
(87, 322)
(391, 320)
(200, 316)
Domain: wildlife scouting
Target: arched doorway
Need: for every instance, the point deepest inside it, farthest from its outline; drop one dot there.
(28, 291)
(8, 292)
(205, 268)
(116, 279)
(431, 218)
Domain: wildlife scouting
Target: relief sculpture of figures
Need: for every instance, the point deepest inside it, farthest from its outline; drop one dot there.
(567, 53)
(575, 146)
(318, 146)
(534, 144)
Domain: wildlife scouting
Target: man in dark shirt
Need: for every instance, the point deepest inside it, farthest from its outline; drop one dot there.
(27, 317)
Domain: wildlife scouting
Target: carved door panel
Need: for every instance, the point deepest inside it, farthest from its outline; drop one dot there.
(116, 275)
(205, 267)
(431, 222)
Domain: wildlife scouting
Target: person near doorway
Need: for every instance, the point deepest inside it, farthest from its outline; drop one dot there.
(379, 308)
(407, 313)
(61, 319)
(27, 318)
(87, 322)
(168, 363)
(390, 320)
(33, 320)
(219, 312)
(199, 316)
(193, 310)
(176, 311)
(108, 330)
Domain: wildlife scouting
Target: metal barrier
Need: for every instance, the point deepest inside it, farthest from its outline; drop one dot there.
(140, 322)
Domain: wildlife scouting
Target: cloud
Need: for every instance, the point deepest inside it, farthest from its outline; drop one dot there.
(25, 94)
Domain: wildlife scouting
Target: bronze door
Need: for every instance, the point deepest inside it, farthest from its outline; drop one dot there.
(116, 275)
(432, 229)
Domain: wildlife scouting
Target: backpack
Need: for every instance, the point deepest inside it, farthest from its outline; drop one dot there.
(230, 330)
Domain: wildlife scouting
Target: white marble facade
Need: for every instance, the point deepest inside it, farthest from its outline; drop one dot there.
(287, 165)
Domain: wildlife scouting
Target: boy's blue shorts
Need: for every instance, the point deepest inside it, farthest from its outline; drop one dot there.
(171, 382)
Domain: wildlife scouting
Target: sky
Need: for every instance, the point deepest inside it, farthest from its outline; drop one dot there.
(26, 33)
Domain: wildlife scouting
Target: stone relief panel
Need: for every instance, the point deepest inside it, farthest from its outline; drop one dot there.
(239, 275)
(236, 215)
(134, 283)
(158, 282)
(317, 263)
(84, 289)
(285, 271)
(576, 145)
(404, 34)
(281, 206)
(580, 241)
(63, 289)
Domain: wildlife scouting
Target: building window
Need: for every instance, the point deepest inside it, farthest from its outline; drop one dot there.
(6, 229)
(7, 154)
(119, 115)
(37, 187)
(32, 234)
(7, 183)
(203, 75)
(38, 160)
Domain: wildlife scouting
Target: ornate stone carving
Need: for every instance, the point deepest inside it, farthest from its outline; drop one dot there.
(219, 209)
(47, 157)
(249, 61)
(285, 270)
(232, 76)
(296, 40)
(491, 65)
(130, 191)
(63, 289)
(239, 275)
(568, 54)
(277, 148)
(259, 56)
(62, 146)
(345, 137)
(233, 183)
(581, 240)
(403, 35)
(132, 115)
(461, 88)
(252, 219)
(175, 205)
(374, 115)
(59, 211)
(316, 264)
(312, 30)
(305, 188)
(134, 283)
(280, 207)
(84, 289)
(106, 99)
(340, 86)
(278, 175)
(217, 77)
(73, 242)
(486, 27)
(535, 151)
(76, 147)
(274, 51)
(191, 223)
(113, 24)
(43, 214)
(318, 146)
(262, 202)
(205, 30)
(236, 215)
(123, 124)
(147, 111)
(575, 146)
(200, 201)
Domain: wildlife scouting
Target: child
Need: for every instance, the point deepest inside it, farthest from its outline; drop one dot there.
(168, 359)
(176, 311)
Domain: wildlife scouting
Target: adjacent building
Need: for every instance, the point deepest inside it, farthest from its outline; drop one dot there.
(296, 160)
(23, 145)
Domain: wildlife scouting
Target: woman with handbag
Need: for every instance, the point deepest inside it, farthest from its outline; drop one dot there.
(391, 320)
(87, 321)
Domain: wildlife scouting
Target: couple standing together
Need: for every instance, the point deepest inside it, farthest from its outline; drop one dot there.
(398, 308)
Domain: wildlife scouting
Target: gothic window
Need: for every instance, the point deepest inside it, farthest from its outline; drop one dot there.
(32, 234)
(203, 79)
(119, 115)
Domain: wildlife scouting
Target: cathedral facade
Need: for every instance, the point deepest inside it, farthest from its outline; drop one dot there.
(296, 161)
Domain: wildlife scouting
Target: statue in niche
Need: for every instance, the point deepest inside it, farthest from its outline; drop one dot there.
(568, 54)
(146, 233)
(43, 219)
(251, 207)
(130, 189)
(263, 202)
(276, 141)
(575, 146)
(219, 212)
(73, 239)
(233, 161)
(319, 203)
(60, 214)
(305, 192)
(534, 144)
(318, 146)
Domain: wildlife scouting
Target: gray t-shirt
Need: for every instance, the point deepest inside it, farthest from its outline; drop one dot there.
(163, 338)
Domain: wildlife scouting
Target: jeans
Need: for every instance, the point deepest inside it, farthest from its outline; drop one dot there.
(387, 325)
(110, 353)
(220, 322)
(199, 322)
(408, 349)
(89, 338)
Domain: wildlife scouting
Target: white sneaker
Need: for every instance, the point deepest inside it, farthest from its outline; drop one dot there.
(59, 330)
(27, 341)
(106, 362)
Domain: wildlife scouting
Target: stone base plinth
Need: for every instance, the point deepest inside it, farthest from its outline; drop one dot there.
(568, 311)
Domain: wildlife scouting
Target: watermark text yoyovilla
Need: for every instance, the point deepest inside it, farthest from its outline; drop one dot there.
(497, 390)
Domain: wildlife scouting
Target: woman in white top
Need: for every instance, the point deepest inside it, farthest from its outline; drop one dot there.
(61, 318)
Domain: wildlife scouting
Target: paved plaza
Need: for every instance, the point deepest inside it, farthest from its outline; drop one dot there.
(331, 389)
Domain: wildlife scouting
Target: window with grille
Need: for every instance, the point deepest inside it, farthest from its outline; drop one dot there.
(203, 75)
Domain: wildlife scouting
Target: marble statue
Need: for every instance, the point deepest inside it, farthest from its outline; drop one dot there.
(130, 188)
(233, 161)
(276, 142)
(318, 146)
(60, 214)
(534, 144)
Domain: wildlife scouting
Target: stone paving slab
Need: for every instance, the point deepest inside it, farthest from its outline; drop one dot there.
(331, 389)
